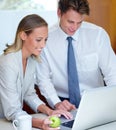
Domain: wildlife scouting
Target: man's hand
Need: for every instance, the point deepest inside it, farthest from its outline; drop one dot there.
(65, 105)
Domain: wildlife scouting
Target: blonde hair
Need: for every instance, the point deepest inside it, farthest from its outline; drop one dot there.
(27, 24)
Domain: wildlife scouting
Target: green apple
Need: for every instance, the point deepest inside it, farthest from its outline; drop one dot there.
(55, 121)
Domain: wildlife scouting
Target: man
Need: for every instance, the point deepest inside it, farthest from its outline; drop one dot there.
(95, 59)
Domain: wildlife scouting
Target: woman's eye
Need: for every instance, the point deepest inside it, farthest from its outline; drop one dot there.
(38, 40)
(46, 39)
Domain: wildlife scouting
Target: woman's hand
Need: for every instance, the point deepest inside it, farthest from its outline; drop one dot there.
(45, 109)
(46, 123)
(59, 113)
(43, 124)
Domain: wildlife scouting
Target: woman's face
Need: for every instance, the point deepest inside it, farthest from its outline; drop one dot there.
(35, 41)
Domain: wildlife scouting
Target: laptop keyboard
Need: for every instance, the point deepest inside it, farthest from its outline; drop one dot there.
(68, 124)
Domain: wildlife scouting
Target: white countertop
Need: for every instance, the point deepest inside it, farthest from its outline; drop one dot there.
(6, 125)
(109, 126)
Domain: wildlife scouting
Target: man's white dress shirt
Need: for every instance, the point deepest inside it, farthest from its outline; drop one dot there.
(95, 59)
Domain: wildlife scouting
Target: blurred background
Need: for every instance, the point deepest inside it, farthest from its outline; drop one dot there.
(103, 13)
(12, 11)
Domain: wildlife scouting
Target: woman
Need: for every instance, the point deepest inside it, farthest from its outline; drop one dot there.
(17, 69)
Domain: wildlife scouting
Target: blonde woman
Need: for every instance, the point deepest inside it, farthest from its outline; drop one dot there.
(17, 69)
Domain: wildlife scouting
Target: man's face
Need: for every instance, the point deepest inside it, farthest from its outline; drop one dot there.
(70, 21)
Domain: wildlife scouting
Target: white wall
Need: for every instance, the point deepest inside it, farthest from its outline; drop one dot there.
(9, 21)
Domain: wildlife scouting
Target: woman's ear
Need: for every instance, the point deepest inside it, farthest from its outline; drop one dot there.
(23, 35)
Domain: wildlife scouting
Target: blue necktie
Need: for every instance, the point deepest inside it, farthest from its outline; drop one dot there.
(73, 83)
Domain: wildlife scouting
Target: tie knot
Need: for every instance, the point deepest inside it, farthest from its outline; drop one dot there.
(69, 39)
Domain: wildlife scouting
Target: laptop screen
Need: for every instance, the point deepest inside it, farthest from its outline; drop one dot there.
(97, 107)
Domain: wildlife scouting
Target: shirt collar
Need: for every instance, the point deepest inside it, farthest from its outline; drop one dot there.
(63, 34)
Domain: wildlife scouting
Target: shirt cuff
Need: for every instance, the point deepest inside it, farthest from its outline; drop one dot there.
(36, 102)
(53, 100)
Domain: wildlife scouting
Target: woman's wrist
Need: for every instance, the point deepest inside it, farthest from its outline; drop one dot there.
(45, 109)
(37, 123)
(49, 112)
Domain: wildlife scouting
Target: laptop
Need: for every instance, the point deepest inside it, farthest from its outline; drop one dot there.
(97, 107)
